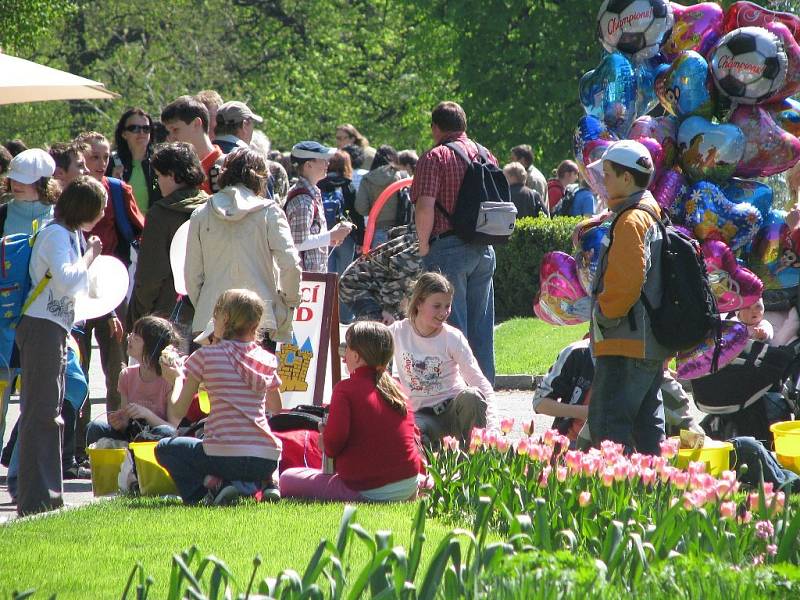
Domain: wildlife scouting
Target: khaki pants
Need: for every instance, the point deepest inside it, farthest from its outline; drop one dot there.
(457, 416)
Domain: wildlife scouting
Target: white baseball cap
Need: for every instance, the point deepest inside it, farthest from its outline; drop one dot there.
(29, 166)
(627, 153)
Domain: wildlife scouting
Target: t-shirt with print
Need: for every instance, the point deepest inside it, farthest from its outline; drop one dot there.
(433, 369)
(153, 395)
(237, 376)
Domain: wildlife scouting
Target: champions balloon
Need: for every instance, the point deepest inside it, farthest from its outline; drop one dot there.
(608, 92)
(708, 151)
(769, 149)
(745, 14)
(753, 192)
(685, 87)
(712, 216)
(696, 28)
(749, 65)
(636, 27)
(734, 286)
(697, 362)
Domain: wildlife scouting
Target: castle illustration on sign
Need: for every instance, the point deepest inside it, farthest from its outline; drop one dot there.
(294, 363)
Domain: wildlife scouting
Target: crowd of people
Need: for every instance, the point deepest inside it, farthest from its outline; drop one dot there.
(257, 218)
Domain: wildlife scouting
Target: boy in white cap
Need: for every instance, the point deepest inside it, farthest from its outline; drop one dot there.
(305, 211)
(629, 361)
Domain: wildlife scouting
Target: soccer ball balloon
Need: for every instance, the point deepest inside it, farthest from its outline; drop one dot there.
(636, 27)
(749, 65)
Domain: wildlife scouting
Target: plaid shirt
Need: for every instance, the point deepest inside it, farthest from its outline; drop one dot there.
(439, 174)
(306, 216)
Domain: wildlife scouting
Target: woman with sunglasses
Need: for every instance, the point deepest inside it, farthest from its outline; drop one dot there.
(131, 159)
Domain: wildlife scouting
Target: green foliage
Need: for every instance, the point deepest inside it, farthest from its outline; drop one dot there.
(516, 278)
(24, 22)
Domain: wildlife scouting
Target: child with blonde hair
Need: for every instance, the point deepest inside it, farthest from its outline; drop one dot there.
(242, 384)
(370, 432)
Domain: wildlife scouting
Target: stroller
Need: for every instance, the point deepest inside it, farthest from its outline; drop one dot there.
(739, 399)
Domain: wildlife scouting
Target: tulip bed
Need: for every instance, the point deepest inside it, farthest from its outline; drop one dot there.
(630, 513)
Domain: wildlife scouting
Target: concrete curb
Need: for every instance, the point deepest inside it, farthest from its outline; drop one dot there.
(516, 382)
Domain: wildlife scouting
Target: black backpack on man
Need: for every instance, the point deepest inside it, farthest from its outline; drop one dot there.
(484, 213)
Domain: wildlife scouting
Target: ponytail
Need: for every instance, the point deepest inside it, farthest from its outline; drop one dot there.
(390, 391)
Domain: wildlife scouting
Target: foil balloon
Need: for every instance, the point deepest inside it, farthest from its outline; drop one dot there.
(636, 27)
(711, 216)
(753, 192)
(646, 75)
(666, 190)
(657, 156)
(775, 253)
(708, 151)
(608, 92)
(685, 87)
(696, 28)
(786, 114)
(559, 290)
(749, 65)
(590, 129)
(587, 256)
(791, 84)
(734, 286)
(745, 14)
(697, 362)
(662, 129)
(769, 149)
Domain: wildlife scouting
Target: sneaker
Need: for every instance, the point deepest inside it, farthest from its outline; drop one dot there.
(77, 472)
(227, 496)
(268, 494)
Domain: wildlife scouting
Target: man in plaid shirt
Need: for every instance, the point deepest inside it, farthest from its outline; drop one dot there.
(469, 267)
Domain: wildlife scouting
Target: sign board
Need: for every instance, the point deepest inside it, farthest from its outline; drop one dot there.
(309, 365)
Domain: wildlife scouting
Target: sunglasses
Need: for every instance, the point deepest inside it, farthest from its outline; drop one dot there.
(138, 128)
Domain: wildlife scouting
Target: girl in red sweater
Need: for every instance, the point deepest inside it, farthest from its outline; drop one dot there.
(370, 432)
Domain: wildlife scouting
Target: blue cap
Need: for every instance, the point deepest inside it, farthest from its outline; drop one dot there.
(311, 149)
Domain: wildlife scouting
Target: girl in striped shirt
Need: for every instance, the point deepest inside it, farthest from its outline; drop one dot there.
(242, 384)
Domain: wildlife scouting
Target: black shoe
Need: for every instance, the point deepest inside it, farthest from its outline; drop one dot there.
(77, 472)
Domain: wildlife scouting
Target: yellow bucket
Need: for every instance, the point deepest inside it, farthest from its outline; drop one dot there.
(714, 453)
(204, 400)
(153, 478)
(105, 464)
(787, 444)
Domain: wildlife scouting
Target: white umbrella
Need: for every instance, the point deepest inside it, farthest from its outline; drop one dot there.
(25, 81)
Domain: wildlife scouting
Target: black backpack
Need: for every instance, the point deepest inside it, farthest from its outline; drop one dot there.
(404, 215)
(688, 312)
(484, 213)
(564, 207)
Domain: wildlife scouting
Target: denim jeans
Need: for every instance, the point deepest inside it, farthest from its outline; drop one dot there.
(339, 259)
(101, 429)
(469, 267)
(188, 464)
(625, 406)
(380, 236)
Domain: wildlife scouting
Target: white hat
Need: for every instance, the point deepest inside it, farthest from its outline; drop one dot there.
(204, 338)
(627, 153)
(29, 166)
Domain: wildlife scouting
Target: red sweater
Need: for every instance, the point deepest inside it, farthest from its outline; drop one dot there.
(373, 444)
(106, 229)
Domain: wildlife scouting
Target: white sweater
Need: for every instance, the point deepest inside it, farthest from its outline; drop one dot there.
(57, 250)
(433, 369)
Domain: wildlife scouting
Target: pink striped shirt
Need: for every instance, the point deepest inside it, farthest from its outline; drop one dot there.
(237, 376)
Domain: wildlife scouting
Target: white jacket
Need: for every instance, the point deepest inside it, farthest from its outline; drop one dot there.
(241, 240)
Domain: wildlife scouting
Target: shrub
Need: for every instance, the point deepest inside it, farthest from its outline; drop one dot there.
(516, 279)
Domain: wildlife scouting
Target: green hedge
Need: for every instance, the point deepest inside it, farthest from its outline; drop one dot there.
(516, 279)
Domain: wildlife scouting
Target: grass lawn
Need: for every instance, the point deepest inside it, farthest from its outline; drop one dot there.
(89, 552)
(530, 346)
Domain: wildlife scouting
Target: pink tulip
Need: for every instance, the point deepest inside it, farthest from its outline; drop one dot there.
(573, 460)
(608, 476)
(680, 479)
(550, 436)
(728, 476)
(528, 427)
(503, 444)
(746, 517)
(506, 425)
(669, 448)
(545, 475)
(561, 474)
(696, 467)
(522, 446)
(621, 471)
(584, 499)
(476, 436)
(727, 510)
(648, 476)
(450, 443)
(490, 438)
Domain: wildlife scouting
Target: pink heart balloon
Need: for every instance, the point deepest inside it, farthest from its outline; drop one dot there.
(748, 14)
(656, 154)
(667, 187)
(696, 28)
(734, 287)
(664, 130)
(791, 84)
(696, 363)
(769, 150)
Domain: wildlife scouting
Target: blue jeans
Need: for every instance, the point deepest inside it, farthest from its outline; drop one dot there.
(625, 406)
(379, 236)
(101, 429)
(469, 267)
(339, 259)
(188, 464)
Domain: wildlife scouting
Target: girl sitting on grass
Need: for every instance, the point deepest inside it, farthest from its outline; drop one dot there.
(147, 388)
(242, 384)
(369, 432)
(447, 390)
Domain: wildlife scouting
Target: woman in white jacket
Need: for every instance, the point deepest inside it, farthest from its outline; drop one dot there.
(241, 239)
